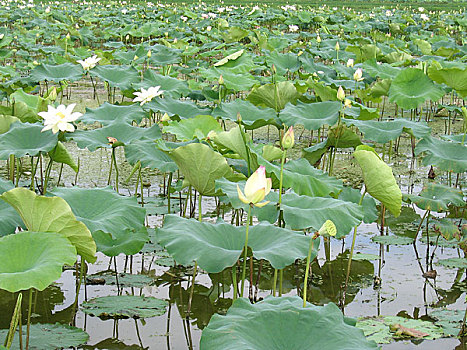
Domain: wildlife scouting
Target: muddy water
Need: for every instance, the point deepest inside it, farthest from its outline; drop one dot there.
(403, 290)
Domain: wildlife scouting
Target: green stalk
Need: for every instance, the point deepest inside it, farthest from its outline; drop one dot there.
(234, 281)
(200, 213)
(14, 322)
(116, 168)
(245, 248)
(353, 245)
(274, 283)
(11, 166)
(307, 270)
(168, 192)
(29, 318)
(192, 288)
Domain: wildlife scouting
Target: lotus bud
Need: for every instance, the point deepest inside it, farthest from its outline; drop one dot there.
(300, 53)
(347, 103)
(135, 58)
(165, 118)
(337, 47)
(358, 75)
(149, 54)
(211, 135)
(208, 28)
(318, 39)
(52, 94)
(68, 36)
(239, 118)
(328, 229)
(221, 80)
(274, 70)
(340, 94)
(35, 63)
(350, 62)
(288, 140)
(166, 34)
(127, 37)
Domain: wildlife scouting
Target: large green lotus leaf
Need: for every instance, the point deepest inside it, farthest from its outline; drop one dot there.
(447, 228)
(123, 132)
(10, 218)
(182, 109)
(302, 212)
(25, 138)
(218, 246)
(32, 103)
(49, 337)
(107, 113)
(303, 178)
(311, 115)
(125, 306)
(370, 212)
(379, 180)
(383, 132)
(51, 214)
(146, 152)
(117, 76)
(231, 57)
(411, 88)
(436, 197)
(233, 81)
(283, 62)
(454, 77)
(324, 92)
(252, 116)
(201, 166)
(197, 127)
(127, 241)
(51, 72)
(33, 259)
(123, 279)
(275, 96)
(447, 156)
(383, 70)
(5, 122)
(450, 320)
(103, 209)
(170, 86)
(233, 34)
(162, 55)
(61, 155)
(233, 140)
(283, 323)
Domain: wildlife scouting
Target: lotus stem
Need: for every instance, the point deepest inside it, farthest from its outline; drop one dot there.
(349, 264)
(14, 321)
(192, 288)
(274, 283)
(114, 159)
(11, 165)
(307, 270)
(200, 209)
(169, 182)
(29, 318)
(245, 248)
(281, 275)
(234, 281)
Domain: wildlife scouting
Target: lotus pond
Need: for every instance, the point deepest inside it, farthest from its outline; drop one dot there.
(232, 177)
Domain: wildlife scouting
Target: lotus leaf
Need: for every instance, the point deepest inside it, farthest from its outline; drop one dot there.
(124, 279)
(33, 259)
(125, 306)
(275, 96)
(103, 209)
(392, 240)
(201, 166)
(172, 87)
(383, 132)
(126, 241)
(311, 115)
(283, 324)
(198, 127)
(448, 156)
(455, 263)
(25, 138)
(50, 72)
(370, 212)
(61, 155)
(252, 116)
(107, 114)
(123, 132)
(383, 70)
(5, 122)
(182, 109)
(436, 197)
(379, 180)
(49, 337)
(449, 320)
(232, 81)
(51, 214)
(146, 152)
(121, 77)
(10, 218)
(218, 246)
(454, 77)
(411, 87)
(228, 58)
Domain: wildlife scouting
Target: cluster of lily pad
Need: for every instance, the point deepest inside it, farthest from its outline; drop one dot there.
(186, 89)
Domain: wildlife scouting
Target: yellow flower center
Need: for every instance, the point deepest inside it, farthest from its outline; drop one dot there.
(60, 115)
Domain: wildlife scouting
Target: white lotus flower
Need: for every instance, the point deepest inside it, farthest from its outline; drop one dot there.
(89, 63)
(147, 95)
(358, 75)
(424, 17)
(293, 28)
(60, 118)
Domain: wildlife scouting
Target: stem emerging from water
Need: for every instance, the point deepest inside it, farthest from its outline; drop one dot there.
(245, 248)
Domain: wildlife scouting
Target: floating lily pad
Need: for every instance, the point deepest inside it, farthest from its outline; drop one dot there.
(49, 336)
(455, 263)
(449, 320)
(392, 240)
(125, 306)
(362, 256)
(124, 279)
(378, 328)
(273, 319)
